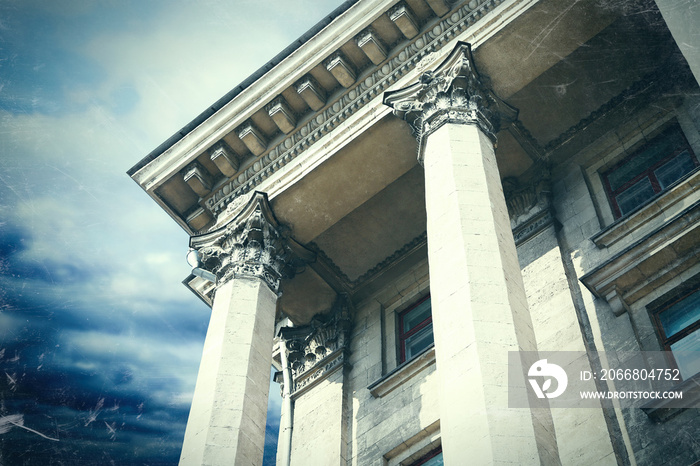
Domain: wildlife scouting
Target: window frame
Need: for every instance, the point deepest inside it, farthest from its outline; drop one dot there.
(430, 455)
(648, 173)
(666, 341)
(402, 336)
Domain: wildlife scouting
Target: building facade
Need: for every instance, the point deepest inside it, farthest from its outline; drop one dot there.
(417, 189)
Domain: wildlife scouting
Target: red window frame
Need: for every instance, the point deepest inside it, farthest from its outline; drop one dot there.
(649, 171)
(432, 454)
(403, 336)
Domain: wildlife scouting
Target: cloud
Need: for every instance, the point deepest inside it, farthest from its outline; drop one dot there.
(99, 341)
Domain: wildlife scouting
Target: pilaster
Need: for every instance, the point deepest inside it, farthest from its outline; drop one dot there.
(317, 355)
(480, 310)
(554, 316)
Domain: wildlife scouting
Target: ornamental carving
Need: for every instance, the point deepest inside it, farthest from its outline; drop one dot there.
(452, 93)
(529, 205)
(420, 50)
(523, 199)
(316, 350)
(252, 245)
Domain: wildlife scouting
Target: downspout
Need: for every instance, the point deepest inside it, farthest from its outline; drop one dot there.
(284, 458)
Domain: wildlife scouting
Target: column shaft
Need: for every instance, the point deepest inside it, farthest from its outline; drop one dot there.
(480, 309)
(229, 408)
(683, 20)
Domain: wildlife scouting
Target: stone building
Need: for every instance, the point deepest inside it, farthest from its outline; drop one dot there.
(415, 188)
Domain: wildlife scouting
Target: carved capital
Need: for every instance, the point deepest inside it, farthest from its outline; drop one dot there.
(529, 205)
(316, 350)
(525, 199)
(452, 93)
(254, 245)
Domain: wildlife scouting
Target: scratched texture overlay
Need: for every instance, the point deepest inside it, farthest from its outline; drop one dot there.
(99, 341)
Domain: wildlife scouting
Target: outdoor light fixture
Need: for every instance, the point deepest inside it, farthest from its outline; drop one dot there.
(193, 259)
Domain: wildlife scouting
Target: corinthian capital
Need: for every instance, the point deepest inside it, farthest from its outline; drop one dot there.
(253, 244)
(452, 93)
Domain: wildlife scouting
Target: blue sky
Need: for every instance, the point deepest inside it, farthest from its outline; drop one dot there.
(99, 341)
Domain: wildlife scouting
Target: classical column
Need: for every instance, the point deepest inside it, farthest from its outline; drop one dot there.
(683, 20)
(479, 306)
(248, 258)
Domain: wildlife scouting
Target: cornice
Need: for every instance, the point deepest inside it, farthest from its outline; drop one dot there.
(259, 92)
(403, 61)
(645, 265)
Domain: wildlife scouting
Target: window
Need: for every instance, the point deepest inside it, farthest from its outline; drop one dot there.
(678, 322)
(649, 171)
(434, 458)
(415, 329)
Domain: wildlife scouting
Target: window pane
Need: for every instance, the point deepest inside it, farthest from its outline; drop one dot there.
(419, 341)
(633, 168)
(687, 354)
(681, 314)
(659, 148)
(635, 195)
(434, 461)
(416, 315)
(674, 169)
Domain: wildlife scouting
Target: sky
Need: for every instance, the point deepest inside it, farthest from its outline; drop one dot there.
(100, 342)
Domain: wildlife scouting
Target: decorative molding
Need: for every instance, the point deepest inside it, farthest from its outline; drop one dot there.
(532, 226)
(404, 19)
(523, 199)
(198, 179)
(655, 82)
(527, 141)
(403, 373)
(282, 114)
(252, 245)
(225, 158)
(684, 191)
(529, 205)
(311, 92)
(252, 137)
(351, 285)
(452, 93)
(647, 264)
(370, 43)
(317, 350)
(341, 69)
(347, 104)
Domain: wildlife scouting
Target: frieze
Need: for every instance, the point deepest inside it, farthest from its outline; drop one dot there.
(351, 101)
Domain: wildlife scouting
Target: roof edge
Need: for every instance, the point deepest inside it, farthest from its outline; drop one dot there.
(229, 96)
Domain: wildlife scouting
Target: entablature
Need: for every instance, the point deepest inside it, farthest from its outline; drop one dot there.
(336, 74)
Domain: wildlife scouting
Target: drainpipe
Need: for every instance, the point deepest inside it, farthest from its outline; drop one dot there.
(284, 447)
